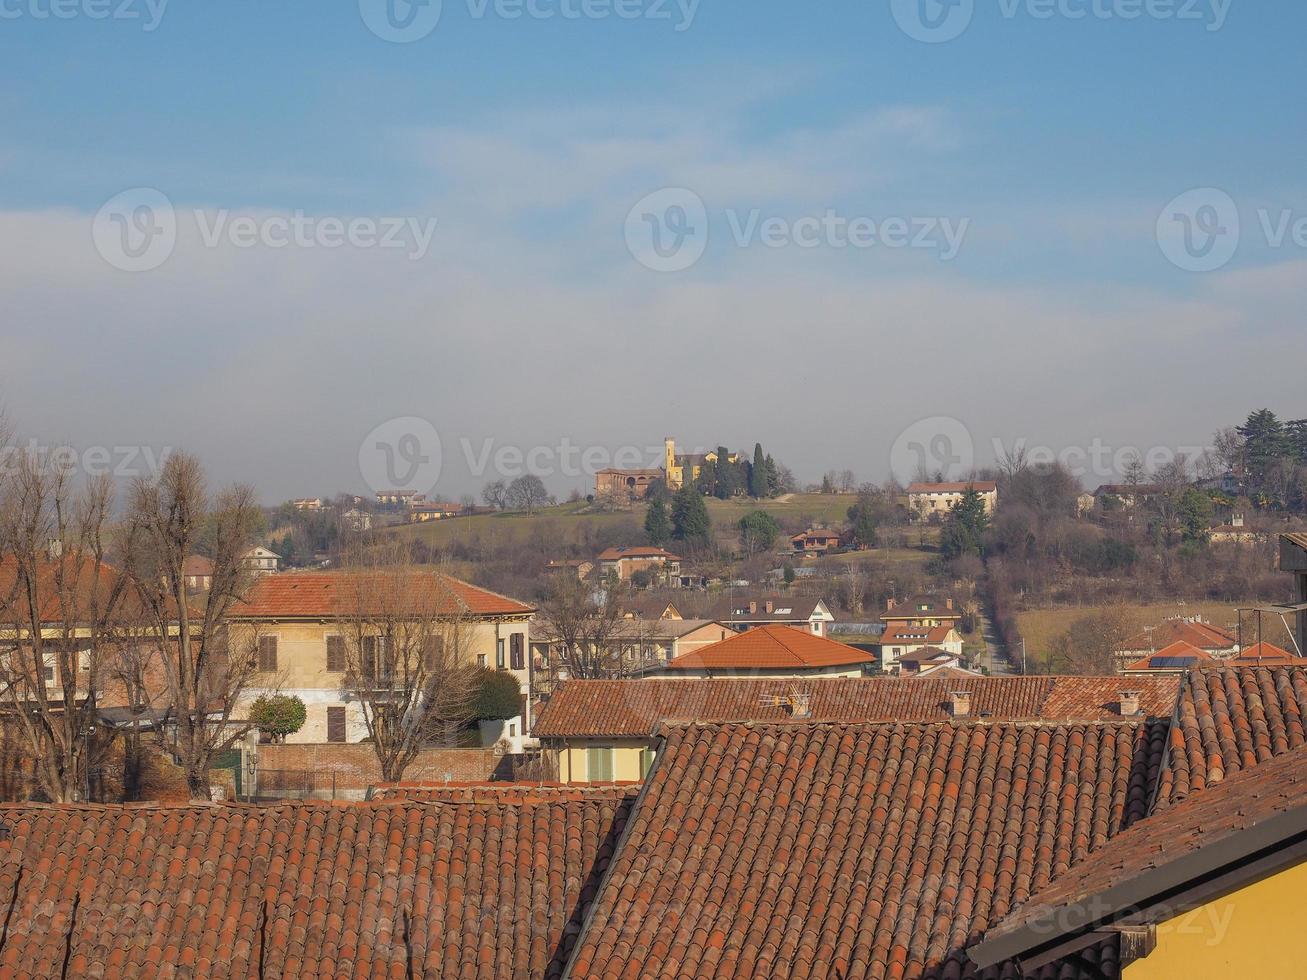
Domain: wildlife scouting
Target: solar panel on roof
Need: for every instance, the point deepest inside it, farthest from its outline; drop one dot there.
(1173, 661)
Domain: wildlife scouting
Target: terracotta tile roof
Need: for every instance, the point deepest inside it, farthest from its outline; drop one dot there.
(1205, 827)
(1266, 655)
(772, 647)
(899, 632)
(64, 589)
(1204, 636)
(635, 708)
(617, 554)
(301, 890)
(857, 851)
(1177, 656)
(324, 595)
(922, 607)
(1229, 719)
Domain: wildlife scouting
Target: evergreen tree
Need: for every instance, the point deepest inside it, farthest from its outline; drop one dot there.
(862, 516)
(1265, 442)
(963, 533)
(690, 520)
(657, 525)
(1194, 515)
(758, 483)
(758, 531)
(773, 477)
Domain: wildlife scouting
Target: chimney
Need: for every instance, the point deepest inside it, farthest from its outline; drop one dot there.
(1130, 704)
(753, 608)
(889, 604)
(960, 703)
(770, 607)
(948, 603)
(1237, 521)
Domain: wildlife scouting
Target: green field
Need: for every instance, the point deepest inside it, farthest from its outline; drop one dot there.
(567, 523)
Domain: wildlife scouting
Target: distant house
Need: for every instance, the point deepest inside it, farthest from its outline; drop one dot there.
(631, 484)
(922, 611)
(1236, 533)
(580, 567)
(743, 613)
(929, 499)
(636, 646)
(815, 541)
(1129, 495)
(421, 512)
(307, 503)
(638, 607)
(197, 572)
(261, 561)
(773, 651)
(626, 562)
(399, 498)
(1212, 640)
(901, 640)
(1178, 658)
(357, 520)
(926, 660)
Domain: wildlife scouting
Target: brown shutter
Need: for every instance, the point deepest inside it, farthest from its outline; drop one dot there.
(335, 653)
(335, 724)
(368, 656)
(268, 654)
(433, 652)
(517, 652)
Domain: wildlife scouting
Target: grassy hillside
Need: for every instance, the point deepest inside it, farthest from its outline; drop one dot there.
(1041, 626)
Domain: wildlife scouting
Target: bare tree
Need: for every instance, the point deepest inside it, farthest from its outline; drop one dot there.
(205, 668)
(527, 493)
(407, 641)
(495, 494)
(1228, 448)
(59, 604)
(590, 637)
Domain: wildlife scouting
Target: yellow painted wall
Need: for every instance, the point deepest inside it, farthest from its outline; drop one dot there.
(1255, 932)
(573, 766)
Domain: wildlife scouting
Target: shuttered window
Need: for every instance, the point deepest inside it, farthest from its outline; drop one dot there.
(335, 653)
(335, 724)
(433, 652)
(599, 765)
(499, 653)
(267, 654)
(517, 650)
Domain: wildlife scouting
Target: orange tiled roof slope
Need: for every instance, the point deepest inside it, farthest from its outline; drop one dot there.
(323, 595)
(854, 851)
(1266, 655)
(301, 890)
(1229, 719)
(1246, 800)
(772, 647)
(1204, 636)
(591, 709)
(1178, 654)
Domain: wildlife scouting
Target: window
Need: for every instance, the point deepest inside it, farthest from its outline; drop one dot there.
(336, 653)
(517, 648)
(335, 724)
(499, 653)
(433, 652)
(599, 765)
(646, 762)
(49, 673)
(378, 662)
(481, 660)
(267, 654)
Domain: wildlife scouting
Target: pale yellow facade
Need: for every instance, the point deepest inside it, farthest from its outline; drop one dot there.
(302, 668)
(615, 760)
(1254, 932)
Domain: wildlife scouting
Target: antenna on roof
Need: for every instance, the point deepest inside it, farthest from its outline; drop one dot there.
(797, 703)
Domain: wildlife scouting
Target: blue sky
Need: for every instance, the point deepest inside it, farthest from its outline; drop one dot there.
(1058, 141)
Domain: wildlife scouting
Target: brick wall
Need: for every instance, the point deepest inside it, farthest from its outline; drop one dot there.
(316, 771)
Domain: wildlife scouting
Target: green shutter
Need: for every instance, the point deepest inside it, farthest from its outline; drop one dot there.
(646, 762)
(599, 765)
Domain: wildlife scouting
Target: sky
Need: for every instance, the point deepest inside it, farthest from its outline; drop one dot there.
(346, 246)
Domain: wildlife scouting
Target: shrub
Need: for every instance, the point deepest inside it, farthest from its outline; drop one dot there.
(499, 696)
(278, 715)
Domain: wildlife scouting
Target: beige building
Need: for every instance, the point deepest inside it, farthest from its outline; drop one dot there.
(297, 620)
(626, 562)
(930, 499)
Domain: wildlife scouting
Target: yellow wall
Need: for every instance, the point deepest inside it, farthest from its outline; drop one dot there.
(573, 766)
(1255, 932)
